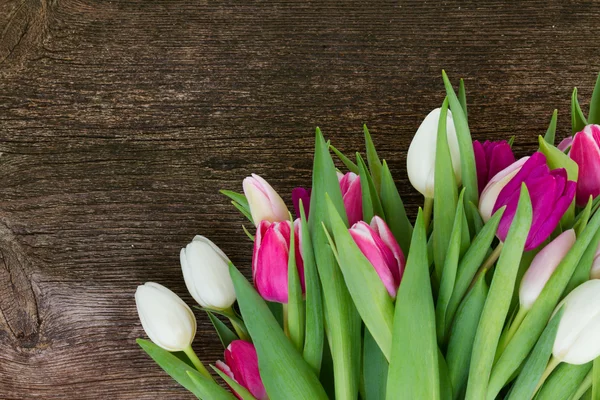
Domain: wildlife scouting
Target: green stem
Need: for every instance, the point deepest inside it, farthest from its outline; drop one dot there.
(286, 327)
(196, 361)
(241, 332)
(487, 264)
(512, 329)
(584, 387)
(549, 368)
(427, 210)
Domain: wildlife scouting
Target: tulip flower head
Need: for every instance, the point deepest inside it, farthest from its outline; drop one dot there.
(380, 247)
(265, 203)
(167, 320)
(303, 194)
(577, 339)
(490, 193)
(206, 273)
(551, 195)
(491, 158)
(270, 259)
(420, 160)
(542, 267)
(585, 151)
(241, 365)
(352, 196)
(565, 144)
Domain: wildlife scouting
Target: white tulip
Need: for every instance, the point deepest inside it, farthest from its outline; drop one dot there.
(492, 190)
(420, 160)
(264, 202)
(167, 320)
(578, 337)
(206, 273)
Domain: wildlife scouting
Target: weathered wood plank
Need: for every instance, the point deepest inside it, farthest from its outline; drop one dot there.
(120, 120)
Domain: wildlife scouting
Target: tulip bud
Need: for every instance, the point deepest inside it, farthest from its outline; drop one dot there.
(206, 273)
(380, 247)
(265, 204)
(241, 365)
(595, 270)
(303, 194)
(551, 195)
(491, 158)
(585, 151)
(490, 193)
(542, 267)
(352, 196)
(420, 160)
(576, 340)
(167, 320)
(565, 144)
(270, 259)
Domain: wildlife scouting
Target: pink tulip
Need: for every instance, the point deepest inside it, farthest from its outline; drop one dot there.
(270, 259)
(585, 151)
(551, 195)
(241, 365)
(303, 194)
(380, 247)
(265, 204)
(352, 195)
(542, 267)
(491, 158)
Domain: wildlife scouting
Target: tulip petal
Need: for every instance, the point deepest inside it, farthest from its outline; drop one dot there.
(501, 157)
(303, 194)
(352, 196)
(586, 153)
(242, 360)
(270, 274)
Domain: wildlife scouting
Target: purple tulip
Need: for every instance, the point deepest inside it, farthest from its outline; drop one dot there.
(270, 259)
(303, 194)
(241, 365)
(380, 247)
(585, 151)
(352, 195)
(491, 158)
(551, 195)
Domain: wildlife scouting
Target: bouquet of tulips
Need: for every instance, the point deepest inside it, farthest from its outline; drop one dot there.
(492, 292)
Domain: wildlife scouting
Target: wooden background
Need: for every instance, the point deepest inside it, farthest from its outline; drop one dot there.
(120, 120)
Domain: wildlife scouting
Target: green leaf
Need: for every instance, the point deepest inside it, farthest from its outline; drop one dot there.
(471, 262)
(465, 144)
(296, 312)
(231, 315)
(313, 338)
(201, 387)
(462, 96)
(578, 120)
(584, 388)
(239, 198)
(596, 379)
(583, 217)
(373, 159)
(239, 389)
(341, 318)
(551, 132)
(370, 296)
(375, 369)
(535, 321)
(511, 141)
(525, 385)
(283, 371)
(497, 303)
(445, 195)
(370, 199)
(557, 159)
(475, 217)
(244, 211)
(347, 162)
(393, 208)
(582, 271)
(445, 384)
(225, 334)
(594, 115)
(449, 272)
(563, 382)
(277, 311)
(414, 369)
(462, 335)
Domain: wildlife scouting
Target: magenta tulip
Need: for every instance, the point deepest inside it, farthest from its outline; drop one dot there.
(551, 195)
(491, 158)
(380, 247)
(241, 365)
(352, 195)
(303, 194)
(585, 151)
(270, 259)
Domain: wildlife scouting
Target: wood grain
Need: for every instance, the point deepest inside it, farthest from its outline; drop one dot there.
(120, 120)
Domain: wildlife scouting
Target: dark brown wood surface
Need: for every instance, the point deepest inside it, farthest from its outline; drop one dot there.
(120, 120)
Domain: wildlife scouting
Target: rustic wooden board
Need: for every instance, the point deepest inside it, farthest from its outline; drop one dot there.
(120, 120)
